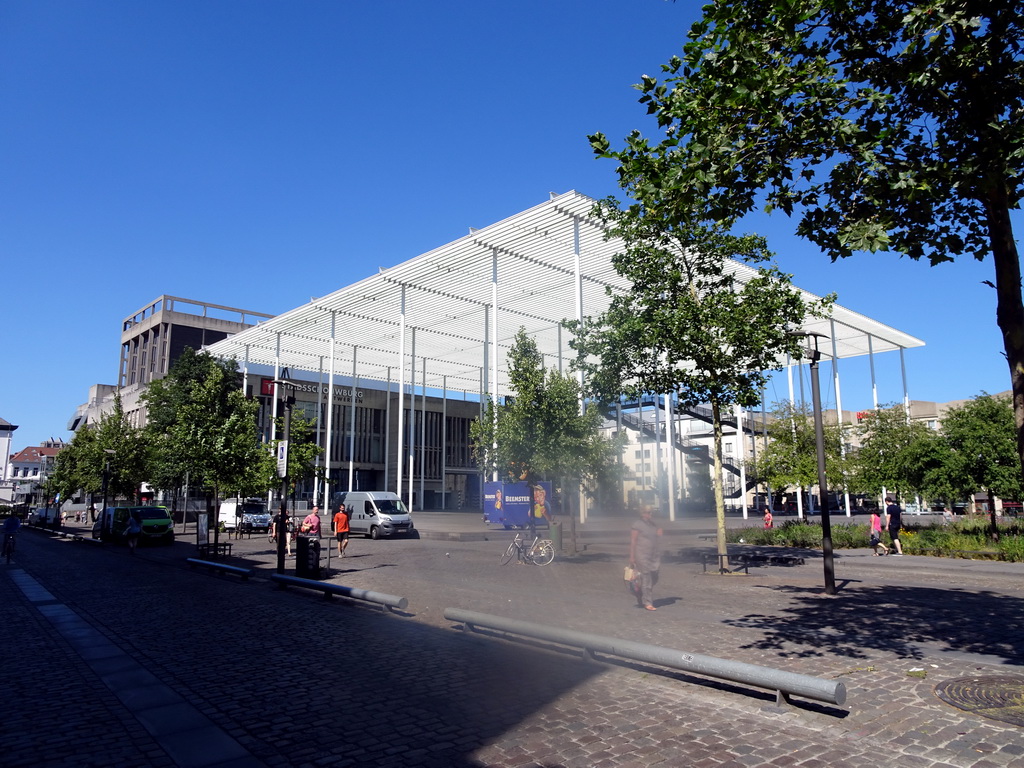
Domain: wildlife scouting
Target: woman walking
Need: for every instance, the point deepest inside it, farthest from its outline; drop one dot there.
(645, 555)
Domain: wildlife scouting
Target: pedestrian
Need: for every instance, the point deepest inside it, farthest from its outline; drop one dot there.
(311, 523)
(340, 526)
(876, 533)
(645, 556)
(132, 531)
(892, 524)
(281, 525)
(769, 521)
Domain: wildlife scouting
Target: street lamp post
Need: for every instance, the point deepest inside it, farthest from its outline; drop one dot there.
(814, 355)
(282, 471)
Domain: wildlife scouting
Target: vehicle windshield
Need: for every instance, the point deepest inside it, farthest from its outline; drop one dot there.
(254, 509)
(150, 513)
(391, 507)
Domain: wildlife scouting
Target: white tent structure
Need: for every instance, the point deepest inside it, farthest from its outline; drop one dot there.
(445, 320)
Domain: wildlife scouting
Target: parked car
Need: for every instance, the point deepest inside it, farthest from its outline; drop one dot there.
(246, 514)
(376, 513)
(157, 525)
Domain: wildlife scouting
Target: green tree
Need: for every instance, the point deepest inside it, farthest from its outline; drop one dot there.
(539, 433)
(698, 320)
(77, 467)
(790, 458)
(114, 440)
(885, 124)
(889, 453)
(982, 449)
(201, 425)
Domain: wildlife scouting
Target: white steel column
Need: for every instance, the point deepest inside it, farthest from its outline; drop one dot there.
(578, 285)
(667, 399)
(329, 437)
(906, 390)
(658, 458)
(792, 406)
(741, 456)
(319, 424)
(444, 440)
(492, 332)
(245, 372)
(874, 383)
(352, 425)
(874, 394)
(423, 433)
(387, 434)
(412, 415)
(400, 455)
(839, 413)
(494, 326)
(273, 413)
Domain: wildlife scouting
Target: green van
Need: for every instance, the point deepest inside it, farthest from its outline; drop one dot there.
(157, 525)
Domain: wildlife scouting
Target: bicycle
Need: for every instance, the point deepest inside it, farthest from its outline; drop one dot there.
(8, 549)
(540, 552)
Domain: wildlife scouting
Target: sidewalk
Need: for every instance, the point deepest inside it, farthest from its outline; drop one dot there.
(406, 689)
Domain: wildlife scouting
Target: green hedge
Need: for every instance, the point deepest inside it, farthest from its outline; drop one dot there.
(962, 538)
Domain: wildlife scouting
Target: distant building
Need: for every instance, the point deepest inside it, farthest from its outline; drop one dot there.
(6, 485)
(152, 339)
(30, 467)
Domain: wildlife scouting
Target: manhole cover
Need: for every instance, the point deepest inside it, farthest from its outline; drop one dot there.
(998, 697)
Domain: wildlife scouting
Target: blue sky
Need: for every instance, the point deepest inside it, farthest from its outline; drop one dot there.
(254, 154)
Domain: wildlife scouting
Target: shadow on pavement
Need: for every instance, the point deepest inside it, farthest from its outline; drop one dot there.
(899, 619)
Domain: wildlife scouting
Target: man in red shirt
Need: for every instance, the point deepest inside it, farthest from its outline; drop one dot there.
(340, 526)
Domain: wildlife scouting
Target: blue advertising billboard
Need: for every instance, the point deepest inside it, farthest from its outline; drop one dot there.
(512, 504)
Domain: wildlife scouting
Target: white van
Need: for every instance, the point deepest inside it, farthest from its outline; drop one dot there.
(247, 515)
(375, 513)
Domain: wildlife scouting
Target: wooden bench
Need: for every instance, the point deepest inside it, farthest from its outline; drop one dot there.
(245, 573)
(721, 563)
(771, 559)
(217, 550)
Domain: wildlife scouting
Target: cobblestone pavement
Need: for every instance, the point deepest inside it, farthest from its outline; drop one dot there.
(126, 660)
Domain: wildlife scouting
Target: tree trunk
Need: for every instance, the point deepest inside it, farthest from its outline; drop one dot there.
(1009, 306)
(723, 546)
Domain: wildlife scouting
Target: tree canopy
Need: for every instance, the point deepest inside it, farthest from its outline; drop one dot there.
(201, 424)
(539, 431)
(881, 124)
(689, 325)
(790, 459)
(114, 441)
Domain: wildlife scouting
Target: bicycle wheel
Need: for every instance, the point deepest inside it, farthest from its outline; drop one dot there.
(543, 553)
(509, 553)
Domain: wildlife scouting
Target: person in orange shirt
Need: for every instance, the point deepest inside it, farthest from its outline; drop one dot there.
(340, 526)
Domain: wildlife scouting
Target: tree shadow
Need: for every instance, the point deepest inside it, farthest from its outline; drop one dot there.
(902, 620)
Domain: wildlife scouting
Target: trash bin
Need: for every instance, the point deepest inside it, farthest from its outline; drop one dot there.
(556, 535)
(307, 557)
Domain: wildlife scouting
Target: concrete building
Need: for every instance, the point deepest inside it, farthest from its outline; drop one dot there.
(6, 484)
(29, 469)
(152, 338)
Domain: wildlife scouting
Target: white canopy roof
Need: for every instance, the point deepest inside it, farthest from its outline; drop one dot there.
(526, 266)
